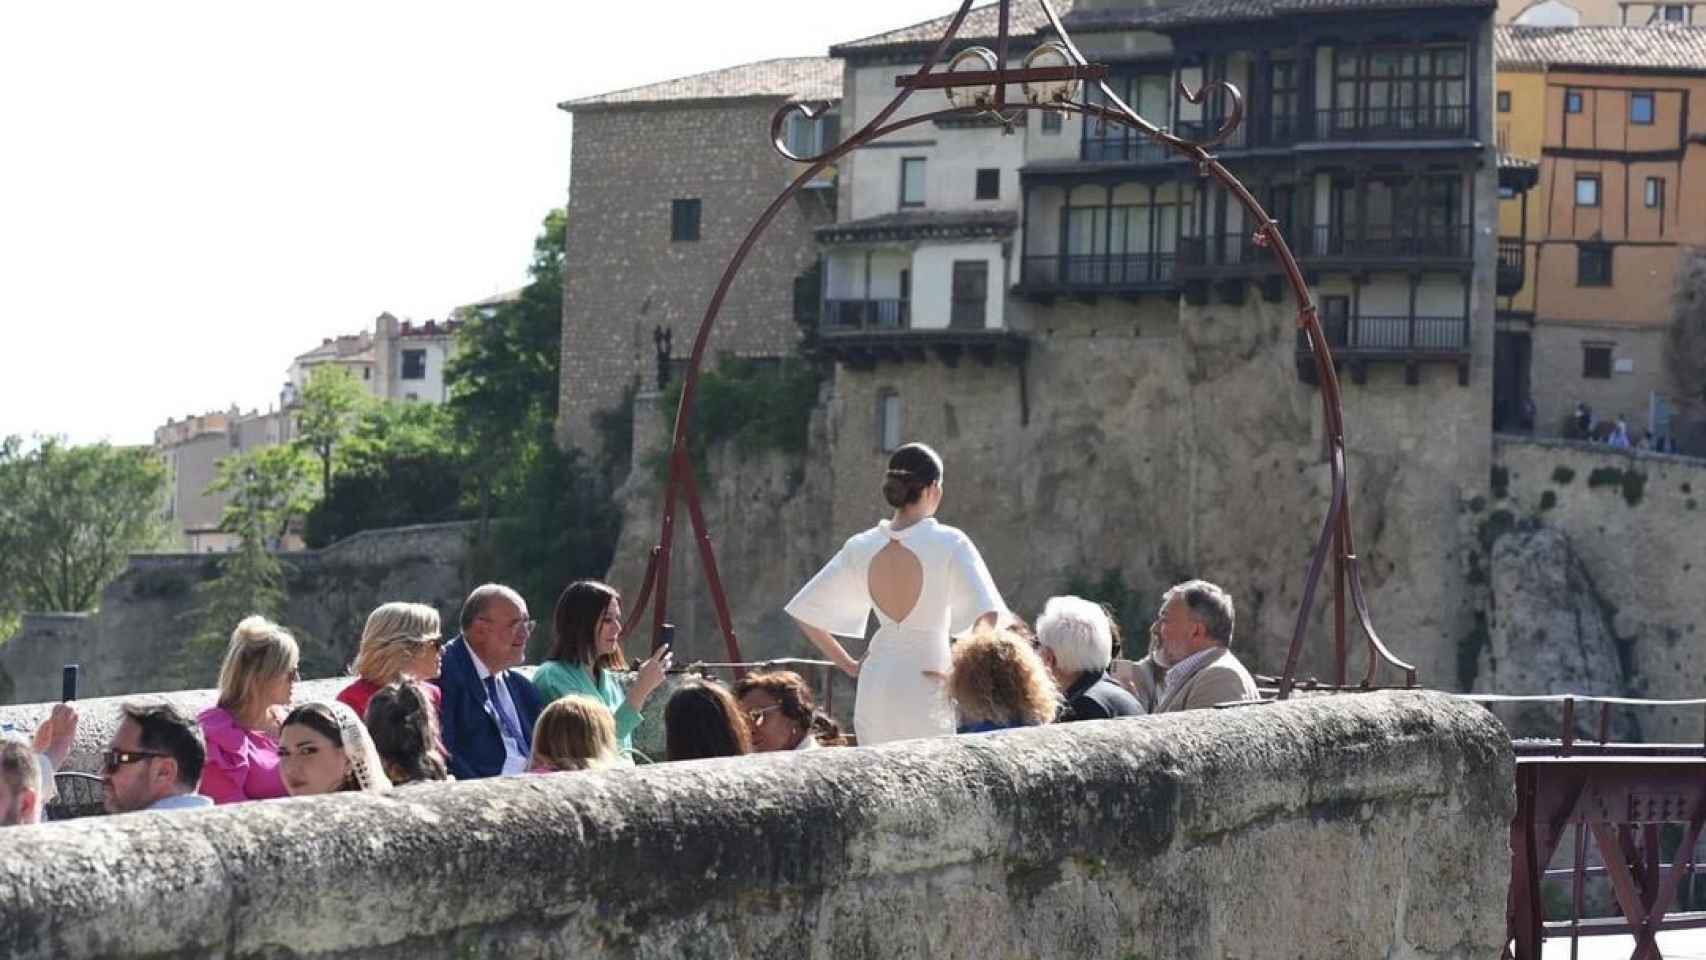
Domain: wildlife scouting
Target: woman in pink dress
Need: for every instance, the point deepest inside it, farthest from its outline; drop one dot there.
(255, 687)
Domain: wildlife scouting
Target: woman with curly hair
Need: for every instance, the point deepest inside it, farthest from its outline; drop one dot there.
(998, 681)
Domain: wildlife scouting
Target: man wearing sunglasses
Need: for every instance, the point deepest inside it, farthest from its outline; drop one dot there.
(154, 761)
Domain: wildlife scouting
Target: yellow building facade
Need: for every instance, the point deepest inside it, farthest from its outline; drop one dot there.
(1604, 114)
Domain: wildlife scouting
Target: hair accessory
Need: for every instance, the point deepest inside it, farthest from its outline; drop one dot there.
(899, 472)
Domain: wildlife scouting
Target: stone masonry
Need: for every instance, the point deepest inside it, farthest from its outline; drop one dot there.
(624, 277)
(1211, 834)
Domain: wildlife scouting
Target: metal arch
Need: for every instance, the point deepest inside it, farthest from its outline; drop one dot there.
(1335, 535)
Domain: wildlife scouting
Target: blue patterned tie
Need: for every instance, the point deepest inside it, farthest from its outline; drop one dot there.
(505, 721)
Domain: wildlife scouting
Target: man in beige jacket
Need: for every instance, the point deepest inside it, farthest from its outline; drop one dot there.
(1189, 666)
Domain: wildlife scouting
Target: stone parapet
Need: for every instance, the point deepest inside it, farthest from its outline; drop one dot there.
(1355, 826)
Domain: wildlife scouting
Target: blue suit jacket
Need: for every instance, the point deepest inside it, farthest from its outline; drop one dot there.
(470, 730)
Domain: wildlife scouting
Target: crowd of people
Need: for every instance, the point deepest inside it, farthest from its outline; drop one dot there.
(420, 708)
(1615, 433)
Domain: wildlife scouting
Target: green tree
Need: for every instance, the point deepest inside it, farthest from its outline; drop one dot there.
(503, 380)
(331, 403)
(266, 491)
(400, 465)
(70, 516)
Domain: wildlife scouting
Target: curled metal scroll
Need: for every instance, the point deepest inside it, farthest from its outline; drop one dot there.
(1335, 538)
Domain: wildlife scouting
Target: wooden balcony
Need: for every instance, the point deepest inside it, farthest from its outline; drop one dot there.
(1043, 277)
(1358, 341)
(1366, 123)
(1375, 245)
(861, 316)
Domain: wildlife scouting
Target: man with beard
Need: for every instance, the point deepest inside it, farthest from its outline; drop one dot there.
(154, 761)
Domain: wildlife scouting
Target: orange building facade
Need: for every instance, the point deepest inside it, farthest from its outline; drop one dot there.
(1615, 120)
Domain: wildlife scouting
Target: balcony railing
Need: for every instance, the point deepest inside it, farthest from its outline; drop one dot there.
(1393, 123)
(1226, 250)
(848, 316)
(1384, 242)
(1097, 271)
(1123, 149)
(1512, 254)
(1393, 335)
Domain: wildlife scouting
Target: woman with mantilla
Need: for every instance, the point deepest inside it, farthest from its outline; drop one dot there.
(926, 582)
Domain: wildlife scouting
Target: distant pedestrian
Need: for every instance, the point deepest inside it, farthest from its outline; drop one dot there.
(1620, 433)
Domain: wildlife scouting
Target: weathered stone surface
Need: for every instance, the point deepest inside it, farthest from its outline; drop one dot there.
(1634, 522)
(146, 615)
(1366, 826)
(1548, 631)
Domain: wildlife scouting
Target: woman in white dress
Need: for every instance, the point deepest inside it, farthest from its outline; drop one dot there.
(926, 582)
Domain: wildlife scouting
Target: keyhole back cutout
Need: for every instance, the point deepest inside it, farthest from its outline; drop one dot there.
(896, 580)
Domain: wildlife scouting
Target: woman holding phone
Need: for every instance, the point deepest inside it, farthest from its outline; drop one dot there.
(587, 649)
(926, 582)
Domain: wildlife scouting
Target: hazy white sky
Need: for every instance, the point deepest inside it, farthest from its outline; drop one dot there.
(191, 193)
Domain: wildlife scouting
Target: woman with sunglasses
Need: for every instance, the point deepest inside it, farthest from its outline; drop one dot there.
(587, 650)
(255, 687)
(781, 713)
(401, 641)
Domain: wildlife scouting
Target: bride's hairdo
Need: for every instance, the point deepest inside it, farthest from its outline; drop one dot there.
(912, 469)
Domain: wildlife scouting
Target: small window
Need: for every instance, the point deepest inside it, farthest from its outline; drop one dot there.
(1573, 101)
(888, 420)
(1504, 101)
(1641, 109)
(989, 184)
(414, 364)
(1507, 193)
(1051, 123)
(1587, 190)
(1676, 13)
(1593, 266)
(1654, 195)
(912, 182)
(684, 221)
(367, 373)
(1596, 361)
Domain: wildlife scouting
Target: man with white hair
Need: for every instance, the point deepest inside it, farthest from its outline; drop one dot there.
(1076, 640)
(1189, 664)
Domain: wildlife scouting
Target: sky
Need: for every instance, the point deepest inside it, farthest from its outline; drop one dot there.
(193, 193)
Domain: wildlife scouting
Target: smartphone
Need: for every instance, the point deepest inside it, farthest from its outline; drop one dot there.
(68, 683)
(665, 638)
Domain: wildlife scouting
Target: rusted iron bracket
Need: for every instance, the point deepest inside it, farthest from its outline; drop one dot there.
(1335, 539)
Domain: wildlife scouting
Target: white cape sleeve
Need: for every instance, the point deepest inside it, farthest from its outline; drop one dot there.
(972, 592)
(837, 600)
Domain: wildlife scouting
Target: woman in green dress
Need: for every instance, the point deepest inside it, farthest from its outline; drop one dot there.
(586, 652)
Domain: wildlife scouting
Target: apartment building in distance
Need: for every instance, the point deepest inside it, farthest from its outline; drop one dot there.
(1613, 119)
(665, 181)
(400, 360)
(191, 450)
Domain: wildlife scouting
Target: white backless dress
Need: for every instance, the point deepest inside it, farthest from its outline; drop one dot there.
(896, 699)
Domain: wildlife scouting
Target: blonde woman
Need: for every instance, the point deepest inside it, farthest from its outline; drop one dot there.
(574, 733)
(999, 681)
(400, 641)
(255, 687)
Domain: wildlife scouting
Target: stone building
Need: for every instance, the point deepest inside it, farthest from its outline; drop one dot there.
(191, 449)
(666, 180)
(400, 360)
(1621, 166)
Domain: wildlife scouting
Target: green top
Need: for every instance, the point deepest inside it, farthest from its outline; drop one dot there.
(555, 679)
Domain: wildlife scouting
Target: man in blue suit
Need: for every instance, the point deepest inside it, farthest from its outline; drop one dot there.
(489, 708)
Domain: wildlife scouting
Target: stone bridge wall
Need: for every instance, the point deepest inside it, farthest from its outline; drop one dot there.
(1356, 826)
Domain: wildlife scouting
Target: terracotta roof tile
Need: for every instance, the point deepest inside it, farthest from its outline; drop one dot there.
(1660, 47)
(793, 78)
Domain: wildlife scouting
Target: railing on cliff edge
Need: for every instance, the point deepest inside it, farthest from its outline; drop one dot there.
(975, 82)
